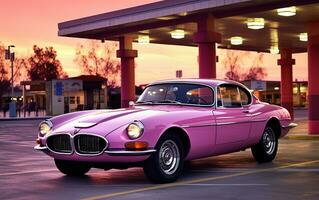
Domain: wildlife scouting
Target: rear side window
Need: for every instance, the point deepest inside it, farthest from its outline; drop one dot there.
(232, 96)
(244, 96)
(229, 96)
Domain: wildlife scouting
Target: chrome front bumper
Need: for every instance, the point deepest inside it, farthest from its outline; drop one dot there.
(111, 152)
(130, 153)
(41, 148)
(290, 126)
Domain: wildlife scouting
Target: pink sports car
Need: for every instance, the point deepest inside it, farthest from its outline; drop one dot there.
(172, 121)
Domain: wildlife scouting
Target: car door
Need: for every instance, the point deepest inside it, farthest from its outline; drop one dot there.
(232, 115)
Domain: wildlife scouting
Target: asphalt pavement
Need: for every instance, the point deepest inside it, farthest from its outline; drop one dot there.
(28, 174)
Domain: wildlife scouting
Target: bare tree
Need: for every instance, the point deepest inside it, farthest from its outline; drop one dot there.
(44, 65)
(99, 59)
(256, 71)
(234, 60)
(232, 63)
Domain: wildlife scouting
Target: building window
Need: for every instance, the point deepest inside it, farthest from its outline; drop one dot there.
(72, 100)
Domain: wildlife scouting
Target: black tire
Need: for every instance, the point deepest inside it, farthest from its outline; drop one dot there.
(266, 149)
(71, 168)
(154, 166)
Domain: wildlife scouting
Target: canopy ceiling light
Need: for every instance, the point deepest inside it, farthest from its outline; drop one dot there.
(236, 40)
(303, 37)
(274, 50)
(287, 12)
(256, 23)
(178, 34)
(143, 39)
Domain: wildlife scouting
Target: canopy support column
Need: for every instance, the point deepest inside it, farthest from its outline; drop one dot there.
(206, 39)
(127, 55)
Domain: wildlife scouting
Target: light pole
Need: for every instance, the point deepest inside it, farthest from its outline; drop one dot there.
(10, 56)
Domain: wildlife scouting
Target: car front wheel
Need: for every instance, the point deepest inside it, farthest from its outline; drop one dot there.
(166, 164)
(71, 168)
(266, 149)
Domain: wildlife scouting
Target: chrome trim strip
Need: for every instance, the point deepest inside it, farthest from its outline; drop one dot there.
(224, 123)
(230, 123)
(290, 126)
(198, 126)
(40, 148)
(241, 122)
(130, 153)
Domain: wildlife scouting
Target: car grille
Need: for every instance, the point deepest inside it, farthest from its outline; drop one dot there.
(89, 144)
(60, 143)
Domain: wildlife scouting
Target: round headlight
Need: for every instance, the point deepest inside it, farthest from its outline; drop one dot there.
(135, 130)
(45, 127)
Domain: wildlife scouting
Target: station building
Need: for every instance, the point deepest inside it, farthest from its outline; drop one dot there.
(66, 95)
(269, 91)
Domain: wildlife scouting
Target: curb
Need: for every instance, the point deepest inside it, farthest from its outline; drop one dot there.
(302, 137)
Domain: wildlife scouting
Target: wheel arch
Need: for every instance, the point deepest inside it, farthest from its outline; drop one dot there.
(274, 123)
(182, 134)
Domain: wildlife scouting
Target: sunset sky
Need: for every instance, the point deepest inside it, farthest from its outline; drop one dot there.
(25, 23)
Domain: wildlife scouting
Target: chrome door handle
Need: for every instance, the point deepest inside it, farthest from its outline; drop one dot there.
(246, 111)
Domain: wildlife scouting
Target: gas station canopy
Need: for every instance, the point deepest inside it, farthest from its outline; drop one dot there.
(270, 27)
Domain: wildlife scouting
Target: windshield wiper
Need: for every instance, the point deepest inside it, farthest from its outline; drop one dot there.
(169, 101)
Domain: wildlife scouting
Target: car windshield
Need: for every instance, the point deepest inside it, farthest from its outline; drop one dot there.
(177, 93)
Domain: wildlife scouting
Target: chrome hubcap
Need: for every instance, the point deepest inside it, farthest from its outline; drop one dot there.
(169, 157)
(269, 141)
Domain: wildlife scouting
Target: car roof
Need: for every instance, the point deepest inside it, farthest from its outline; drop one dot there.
(209, 82)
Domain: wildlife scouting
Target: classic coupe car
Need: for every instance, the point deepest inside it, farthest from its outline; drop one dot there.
(172, 121)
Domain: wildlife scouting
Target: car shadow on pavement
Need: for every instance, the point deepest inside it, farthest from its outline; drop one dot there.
(192, 169)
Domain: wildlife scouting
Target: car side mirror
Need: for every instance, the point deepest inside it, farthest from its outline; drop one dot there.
(131, 103)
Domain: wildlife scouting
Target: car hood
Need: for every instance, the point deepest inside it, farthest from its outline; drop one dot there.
(108, 119)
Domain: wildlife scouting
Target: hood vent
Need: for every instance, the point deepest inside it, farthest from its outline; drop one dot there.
(84, 124)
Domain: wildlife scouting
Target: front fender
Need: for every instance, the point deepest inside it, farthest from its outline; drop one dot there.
(151, 135)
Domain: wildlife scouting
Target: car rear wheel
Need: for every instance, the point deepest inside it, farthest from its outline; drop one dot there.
(166, 164)
(266, 149)
(71, 168)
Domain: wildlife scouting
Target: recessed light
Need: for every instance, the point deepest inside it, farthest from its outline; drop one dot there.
(287, 12)
(178, 34)
(274, 50)
(236, 40)
(303, 37)
(143, 39)
(256, 23)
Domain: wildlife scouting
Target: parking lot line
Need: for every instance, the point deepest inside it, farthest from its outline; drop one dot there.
(194, 181)
(226, 184)
(26, 172)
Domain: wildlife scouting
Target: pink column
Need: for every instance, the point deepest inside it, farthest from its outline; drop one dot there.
(313, 78)
(286, 82)
(127, 55)
(206, 39)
